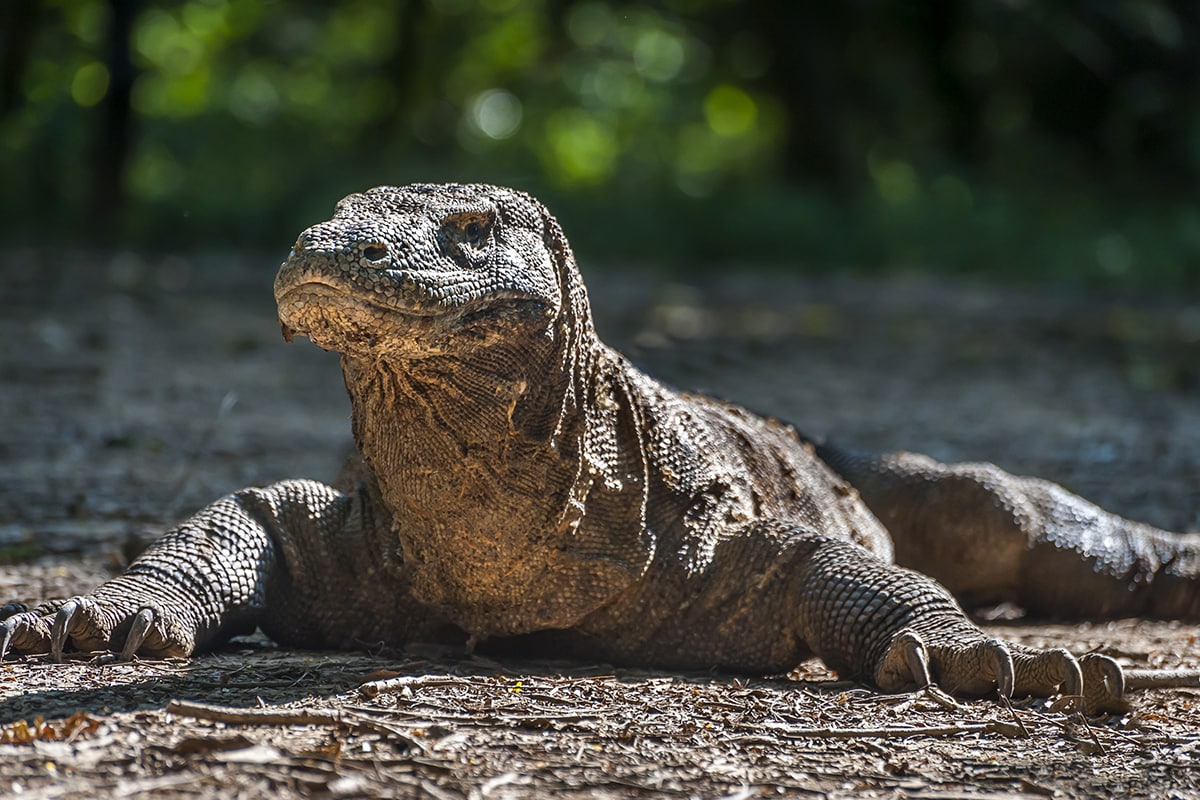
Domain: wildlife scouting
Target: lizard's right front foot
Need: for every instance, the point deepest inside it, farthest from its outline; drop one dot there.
(199, 584)
(107, 621)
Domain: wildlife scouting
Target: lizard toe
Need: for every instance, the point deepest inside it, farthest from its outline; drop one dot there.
(25, 633)
(1103, 685)
(1043, 673)
(62, 627)
(976, 668)
(139, 627)
(973, 668)
(905, 664)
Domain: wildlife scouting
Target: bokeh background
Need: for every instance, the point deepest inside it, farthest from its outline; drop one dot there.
(1010, 139)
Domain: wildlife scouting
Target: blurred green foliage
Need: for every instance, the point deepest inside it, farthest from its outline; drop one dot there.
(1056, 142)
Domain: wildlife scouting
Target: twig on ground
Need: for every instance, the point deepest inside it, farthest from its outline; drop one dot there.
(994, 726)
(245, 716)
(1092, 733)
(402, 682)
(1008, 704)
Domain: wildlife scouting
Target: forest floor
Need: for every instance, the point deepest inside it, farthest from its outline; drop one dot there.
(136, 389)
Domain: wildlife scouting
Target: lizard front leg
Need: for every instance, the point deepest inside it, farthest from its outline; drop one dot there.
(302, 560)
(760, 597)
(899, 629)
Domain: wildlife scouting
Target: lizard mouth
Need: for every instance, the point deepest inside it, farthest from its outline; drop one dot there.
(337, 315)
(412, 301)
(329, 291)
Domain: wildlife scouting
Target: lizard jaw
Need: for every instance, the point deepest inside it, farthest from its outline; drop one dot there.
(340, 318)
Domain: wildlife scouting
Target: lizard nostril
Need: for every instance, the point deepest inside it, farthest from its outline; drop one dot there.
(375, 252)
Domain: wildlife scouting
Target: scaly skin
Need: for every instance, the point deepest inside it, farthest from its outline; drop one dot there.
(1028, 540)
(515, 475)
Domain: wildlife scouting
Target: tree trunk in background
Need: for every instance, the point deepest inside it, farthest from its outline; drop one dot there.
(19, 23)
(113, 134)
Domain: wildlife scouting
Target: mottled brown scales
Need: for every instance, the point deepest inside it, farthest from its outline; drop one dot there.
(516, 476)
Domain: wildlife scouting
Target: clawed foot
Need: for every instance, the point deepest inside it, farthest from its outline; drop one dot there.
(1093, 684)
(87, 623)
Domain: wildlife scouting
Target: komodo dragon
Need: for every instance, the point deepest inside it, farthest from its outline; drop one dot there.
(516, 476)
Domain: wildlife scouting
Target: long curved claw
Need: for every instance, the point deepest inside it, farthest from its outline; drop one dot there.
(1002, 663)
(137, 634)
(916, 656)
(910, 648)
(1056, 669)
(62, 622)
(1072, 676)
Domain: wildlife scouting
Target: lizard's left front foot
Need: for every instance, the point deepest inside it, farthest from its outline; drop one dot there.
(970, 663)
(902, 630)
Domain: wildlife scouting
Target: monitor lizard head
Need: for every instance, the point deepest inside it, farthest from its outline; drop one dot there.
(427, 270)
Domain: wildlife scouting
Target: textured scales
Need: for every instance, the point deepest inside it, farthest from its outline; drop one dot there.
(517, 476)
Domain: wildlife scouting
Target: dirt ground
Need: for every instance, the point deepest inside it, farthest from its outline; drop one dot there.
(135, 389)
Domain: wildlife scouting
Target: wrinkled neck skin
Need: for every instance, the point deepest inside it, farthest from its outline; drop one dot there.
(481, 458)
(423, 423)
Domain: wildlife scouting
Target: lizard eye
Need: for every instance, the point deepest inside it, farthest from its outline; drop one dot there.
(470, 228)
